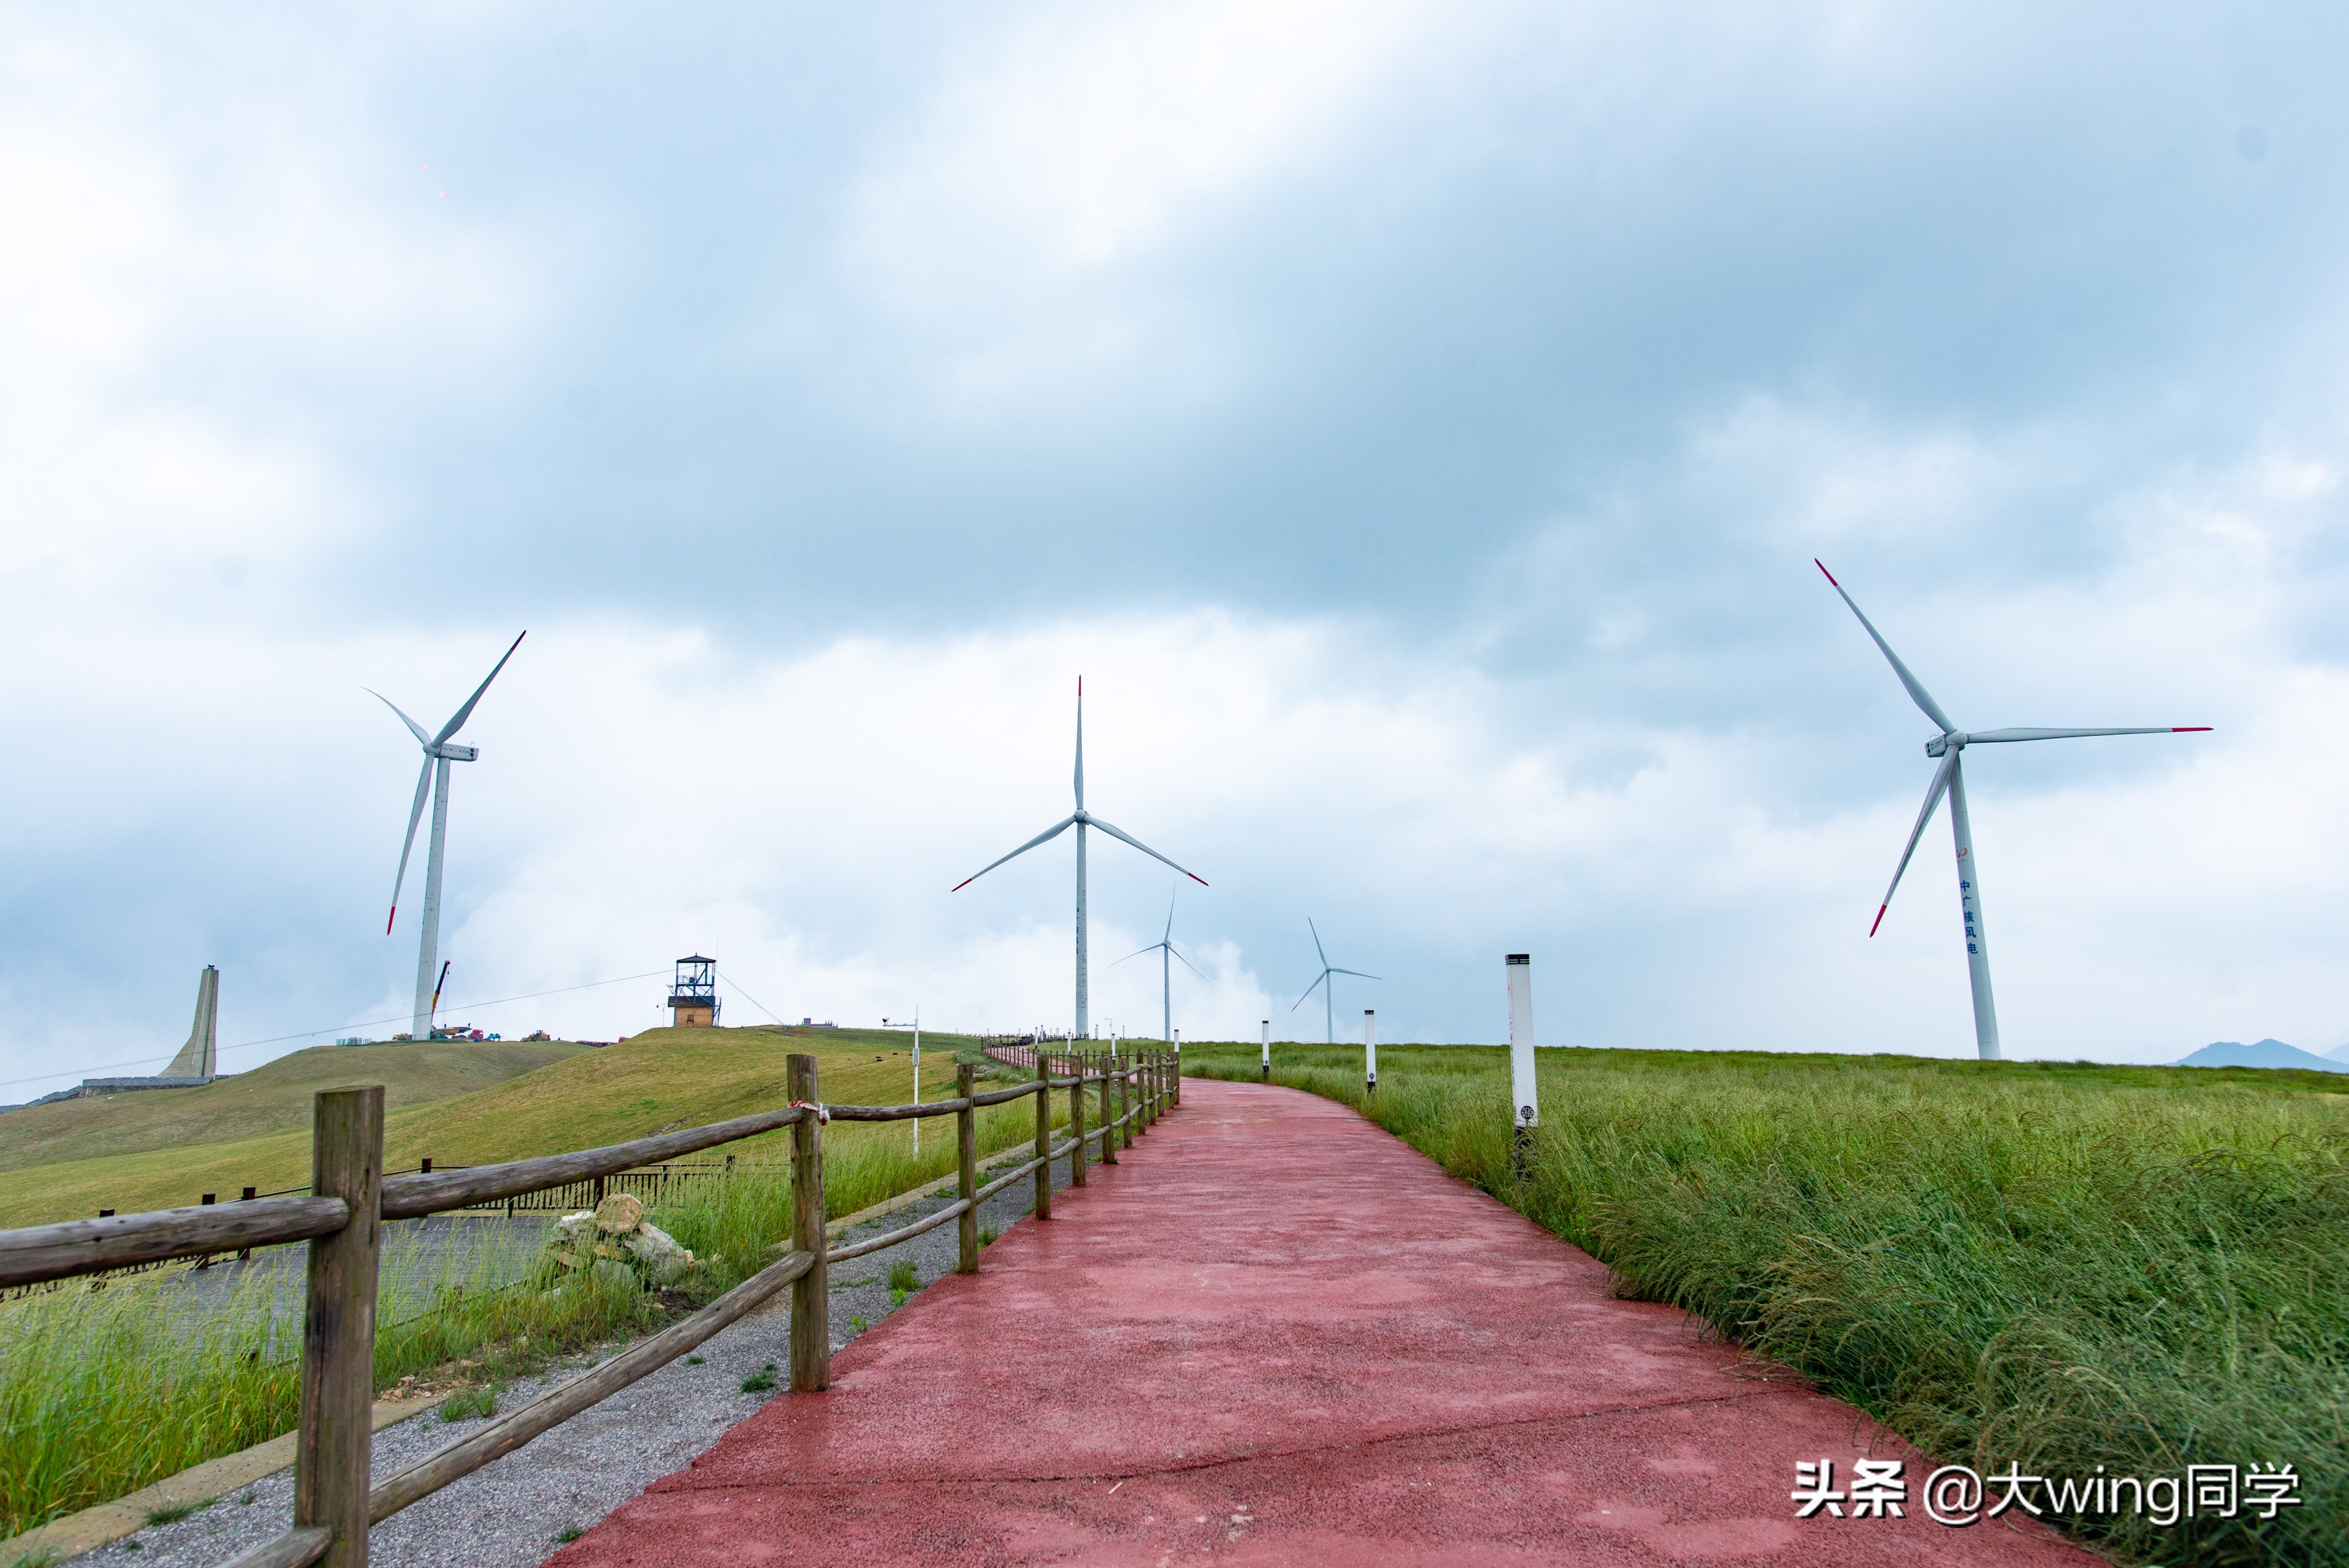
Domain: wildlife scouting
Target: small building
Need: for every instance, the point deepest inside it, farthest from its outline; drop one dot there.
(693, 996)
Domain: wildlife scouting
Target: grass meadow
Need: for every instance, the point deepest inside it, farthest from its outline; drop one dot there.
(2065, 1266)
(104, 1392)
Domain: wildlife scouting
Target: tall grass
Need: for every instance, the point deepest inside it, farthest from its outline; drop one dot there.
(103, 1392)
(2063, 1266)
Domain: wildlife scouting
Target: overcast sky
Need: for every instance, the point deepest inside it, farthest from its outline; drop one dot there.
(1415, 422)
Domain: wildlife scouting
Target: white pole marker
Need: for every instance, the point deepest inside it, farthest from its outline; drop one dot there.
(1370, 1049)
(1267, 1050)
(1520, 970)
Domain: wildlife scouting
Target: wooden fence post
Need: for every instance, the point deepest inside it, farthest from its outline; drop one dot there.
(810, 1292)
(335, 1440)
(966, 1167)
(1108, 1113)
(1043, 1141)
(1077, 1122)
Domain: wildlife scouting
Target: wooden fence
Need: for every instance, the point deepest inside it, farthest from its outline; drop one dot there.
(341, 1217)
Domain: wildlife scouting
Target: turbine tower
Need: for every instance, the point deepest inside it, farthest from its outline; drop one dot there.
(1079, 819)
(1949, 779)
(437, 754)
(1163, 947)
(1328, 1009)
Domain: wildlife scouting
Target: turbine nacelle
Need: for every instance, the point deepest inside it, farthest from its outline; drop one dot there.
(1941, 745)
(456, 754)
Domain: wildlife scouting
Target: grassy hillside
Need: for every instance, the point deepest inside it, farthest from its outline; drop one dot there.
(271, 1098)
(2051, 1264)
(660, 1079)
(103, 1392)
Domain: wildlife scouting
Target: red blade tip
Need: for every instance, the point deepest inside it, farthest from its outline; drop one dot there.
(1822, 566)
(389, 918)
(961, 885)
(1194, 877)
(2189, 729)
(1880, 917)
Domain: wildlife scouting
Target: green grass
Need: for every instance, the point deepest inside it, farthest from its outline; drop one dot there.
(2058, 1264)
(761, 1381)
(102, 1393)
(469, 1404)
(171, 1513)
(273, 1097)
(663, 1078)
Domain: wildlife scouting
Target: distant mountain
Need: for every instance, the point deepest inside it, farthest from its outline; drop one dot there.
(2264, 1054)
(2339, 1052)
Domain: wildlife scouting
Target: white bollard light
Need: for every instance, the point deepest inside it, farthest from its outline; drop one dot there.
(1267, 1050)
(1371, 1050)
(1520, 970)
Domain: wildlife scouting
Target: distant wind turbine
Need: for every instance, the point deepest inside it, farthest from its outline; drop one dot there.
(1079, 819)
(1949, 779)
(437, 754)
(1164, 948)
(1328, 1009)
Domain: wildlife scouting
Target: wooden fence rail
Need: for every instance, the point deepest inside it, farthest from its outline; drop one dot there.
(350, 1197)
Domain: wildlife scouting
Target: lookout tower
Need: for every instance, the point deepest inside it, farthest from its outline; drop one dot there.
(693, 998)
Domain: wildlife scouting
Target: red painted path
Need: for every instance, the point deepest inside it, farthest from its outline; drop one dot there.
(1276, 1335)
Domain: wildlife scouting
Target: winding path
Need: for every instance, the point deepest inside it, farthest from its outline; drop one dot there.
(1274, 1334)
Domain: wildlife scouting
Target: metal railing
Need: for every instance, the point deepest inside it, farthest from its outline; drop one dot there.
(341, 1217)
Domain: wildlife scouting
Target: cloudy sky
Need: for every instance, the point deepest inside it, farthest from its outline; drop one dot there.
(1415, 422)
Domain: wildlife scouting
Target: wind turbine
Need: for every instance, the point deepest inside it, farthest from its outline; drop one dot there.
(437, 754)
(1949, 779)
(1163, 947)
(1079, 819)
(1328, 1010)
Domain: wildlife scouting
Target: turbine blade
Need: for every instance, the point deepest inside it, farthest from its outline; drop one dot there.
(457, 723)
(1128, 838)
(413, 727)
(1186, 963)
(1080, 744)
(1169, 935)
(1317, 942)
(1917, 692)
(1137, 953)
(415, 815)
(1044, 837)
(1310, 991)
(1933, 798)
(1358, 974)
(2075, 735)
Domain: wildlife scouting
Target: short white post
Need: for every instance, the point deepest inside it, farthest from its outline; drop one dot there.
(1371, 1050)
(1267, 1050)
(1520, 970)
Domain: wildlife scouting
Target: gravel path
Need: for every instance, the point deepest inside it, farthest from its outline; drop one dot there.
(515, 1512)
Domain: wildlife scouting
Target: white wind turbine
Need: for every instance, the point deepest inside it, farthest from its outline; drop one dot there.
(1328, 1009)
(437, 754)
(1949, 779)
(1164, 948)
(1079, 819)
